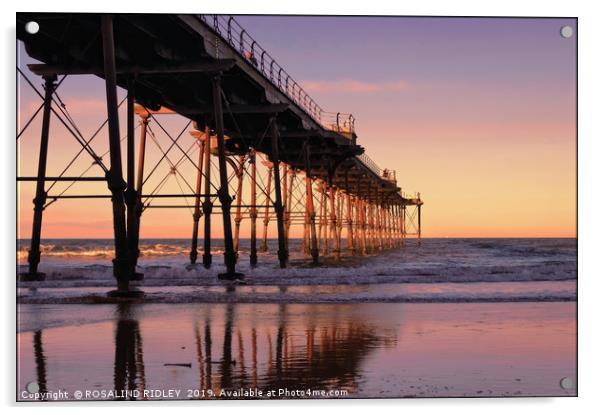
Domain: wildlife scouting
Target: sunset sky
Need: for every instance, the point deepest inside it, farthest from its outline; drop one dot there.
(478, 115)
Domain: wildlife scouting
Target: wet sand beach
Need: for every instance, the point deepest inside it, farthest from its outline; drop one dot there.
(346, 350)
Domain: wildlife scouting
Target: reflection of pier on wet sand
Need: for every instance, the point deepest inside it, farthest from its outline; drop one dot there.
(368, 350)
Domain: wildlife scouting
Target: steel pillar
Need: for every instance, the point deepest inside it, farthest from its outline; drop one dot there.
(196, 216)
(282, 252)
(140, 175)
(396, 224)
(238, 215)
(339, 227)
(350, 236)
(403, 225)
(379, 221)
(121, 266)
(253, 210)
(333, 220)
(289, 204)
(419, 225)
(310, 209)
(284, 179)
(322, 230)
(360, 235)
(369, 220)
(40, 198)
(207, 203)
(131, 195)
(266, 217)
(223, 195)
(391, 226)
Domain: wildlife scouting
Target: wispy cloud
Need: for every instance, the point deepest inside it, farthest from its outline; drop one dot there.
(353, 86)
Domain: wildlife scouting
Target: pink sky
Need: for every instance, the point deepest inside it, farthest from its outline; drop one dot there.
(477, 115)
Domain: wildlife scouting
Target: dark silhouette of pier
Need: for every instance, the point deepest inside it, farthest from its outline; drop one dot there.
(246, 111)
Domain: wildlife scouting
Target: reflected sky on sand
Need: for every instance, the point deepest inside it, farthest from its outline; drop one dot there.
(366, 350)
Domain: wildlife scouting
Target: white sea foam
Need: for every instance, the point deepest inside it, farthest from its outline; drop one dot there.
(538, 264)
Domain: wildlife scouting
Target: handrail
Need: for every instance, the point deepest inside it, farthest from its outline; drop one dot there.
(369, 163)
(248, 48)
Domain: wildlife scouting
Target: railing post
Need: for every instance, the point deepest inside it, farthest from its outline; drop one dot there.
(40, 199)
(241, 43)
(223, 194)
(230, 29)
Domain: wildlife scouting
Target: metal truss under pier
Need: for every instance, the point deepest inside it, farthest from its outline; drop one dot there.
(303, 164)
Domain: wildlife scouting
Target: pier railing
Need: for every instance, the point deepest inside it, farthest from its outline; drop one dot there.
(231, 32)
(410, 195)
(370, 164)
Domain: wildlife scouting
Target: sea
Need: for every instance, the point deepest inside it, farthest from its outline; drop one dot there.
(434, 270)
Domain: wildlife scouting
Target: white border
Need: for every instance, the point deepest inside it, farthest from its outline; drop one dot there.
(590, 199)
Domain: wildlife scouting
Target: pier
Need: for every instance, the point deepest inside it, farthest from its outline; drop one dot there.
(302, 165)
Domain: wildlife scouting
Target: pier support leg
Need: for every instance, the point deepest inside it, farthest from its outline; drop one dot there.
(207, 203)
(360, 236)
(379, 224)
(369, 221)
(403, 225)
(121, 266)
(322, 231)
(399, 226)
(305, 241)
(40, 199)
(396, 224)
(310, 209)
(224, 197)
(282, 252)
(266, 216)
(238, 216)
(284, 179)
(350, 236)
(140, 177)
(333, 222)
(253, 210)
(289, 205)
(419, 225)
(339, 227)
(196, 216)
(389, 226)
(131, 195)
